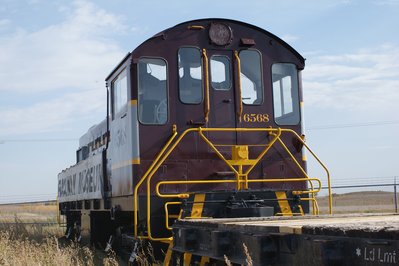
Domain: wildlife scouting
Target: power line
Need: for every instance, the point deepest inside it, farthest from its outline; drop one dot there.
(27, 198)
(362, 186)
(367, 178)
(365, 124)
(320, 127)
(2, 141)
(29, 202)
(27, 195)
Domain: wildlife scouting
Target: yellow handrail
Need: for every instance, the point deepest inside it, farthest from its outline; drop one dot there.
(239, 173)
(186, 182)
(297, 164)
(207, 105)
(151, 173)
(167, 216)
(240, 109)
(136, 189)
(169, 147)
(216, 181)
(322, 165)
(167, 212)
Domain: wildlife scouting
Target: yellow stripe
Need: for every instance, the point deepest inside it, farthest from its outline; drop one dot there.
(168, 255)
(301, 210)
(302, 104)
(283, 203)
(125, 163)
(187, 259)
(198, 206)
(133, 102)
(297, 229)
(304, 158)
(136, 161)
(204, 260)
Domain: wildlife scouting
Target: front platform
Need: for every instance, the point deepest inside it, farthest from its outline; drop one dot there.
(309, 240)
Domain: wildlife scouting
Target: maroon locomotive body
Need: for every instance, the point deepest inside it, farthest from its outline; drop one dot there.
(204, 120)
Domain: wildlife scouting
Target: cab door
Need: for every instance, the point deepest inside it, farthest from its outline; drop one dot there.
(222, 93)
(253, 110)
(221, 90)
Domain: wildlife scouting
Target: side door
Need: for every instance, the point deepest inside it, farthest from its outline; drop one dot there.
(119, 152)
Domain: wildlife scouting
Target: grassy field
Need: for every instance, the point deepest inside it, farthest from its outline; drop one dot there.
(360, 202)
(29, 212)
(25, 239)
(39, 244)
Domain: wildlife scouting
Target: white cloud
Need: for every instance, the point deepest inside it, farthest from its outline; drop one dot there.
(53, 115)
(70, 59)
(289, 38)
(359, 81)
(75, 53)
(4, 22)
(386, 2)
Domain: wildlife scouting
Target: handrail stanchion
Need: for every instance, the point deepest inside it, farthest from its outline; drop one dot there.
(136, 189)
(207, 106)
(240, 109)
(322, 165)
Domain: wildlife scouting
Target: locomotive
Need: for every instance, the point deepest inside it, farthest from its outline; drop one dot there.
(204, 120)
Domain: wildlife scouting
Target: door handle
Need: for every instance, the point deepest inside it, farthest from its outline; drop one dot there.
(196, 123)
(227, 100)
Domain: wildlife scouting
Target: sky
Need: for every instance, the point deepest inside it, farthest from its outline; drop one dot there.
(55, 55)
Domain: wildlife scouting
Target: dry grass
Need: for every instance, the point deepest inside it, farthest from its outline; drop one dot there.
(360, 202)
(145, 255)
(248, 258)
(227, 261)
(29, 212)
(26, 240)
(22, 244)
(14, 251)
(28, 236)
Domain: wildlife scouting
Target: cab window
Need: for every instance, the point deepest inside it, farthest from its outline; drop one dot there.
(152, 91)
(119, 92)
(251, 77)
(285, 94)
(190, 75)
(220, 72)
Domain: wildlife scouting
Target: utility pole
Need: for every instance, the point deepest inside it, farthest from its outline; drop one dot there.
(395, 195)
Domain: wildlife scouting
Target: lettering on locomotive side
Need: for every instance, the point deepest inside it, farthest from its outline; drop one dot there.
(82, 181)
(256, 118)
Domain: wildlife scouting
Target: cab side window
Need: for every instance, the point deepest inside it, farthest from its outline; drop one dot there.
(119, 92)
(285, 94)
(152, 91)
(190, 75)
